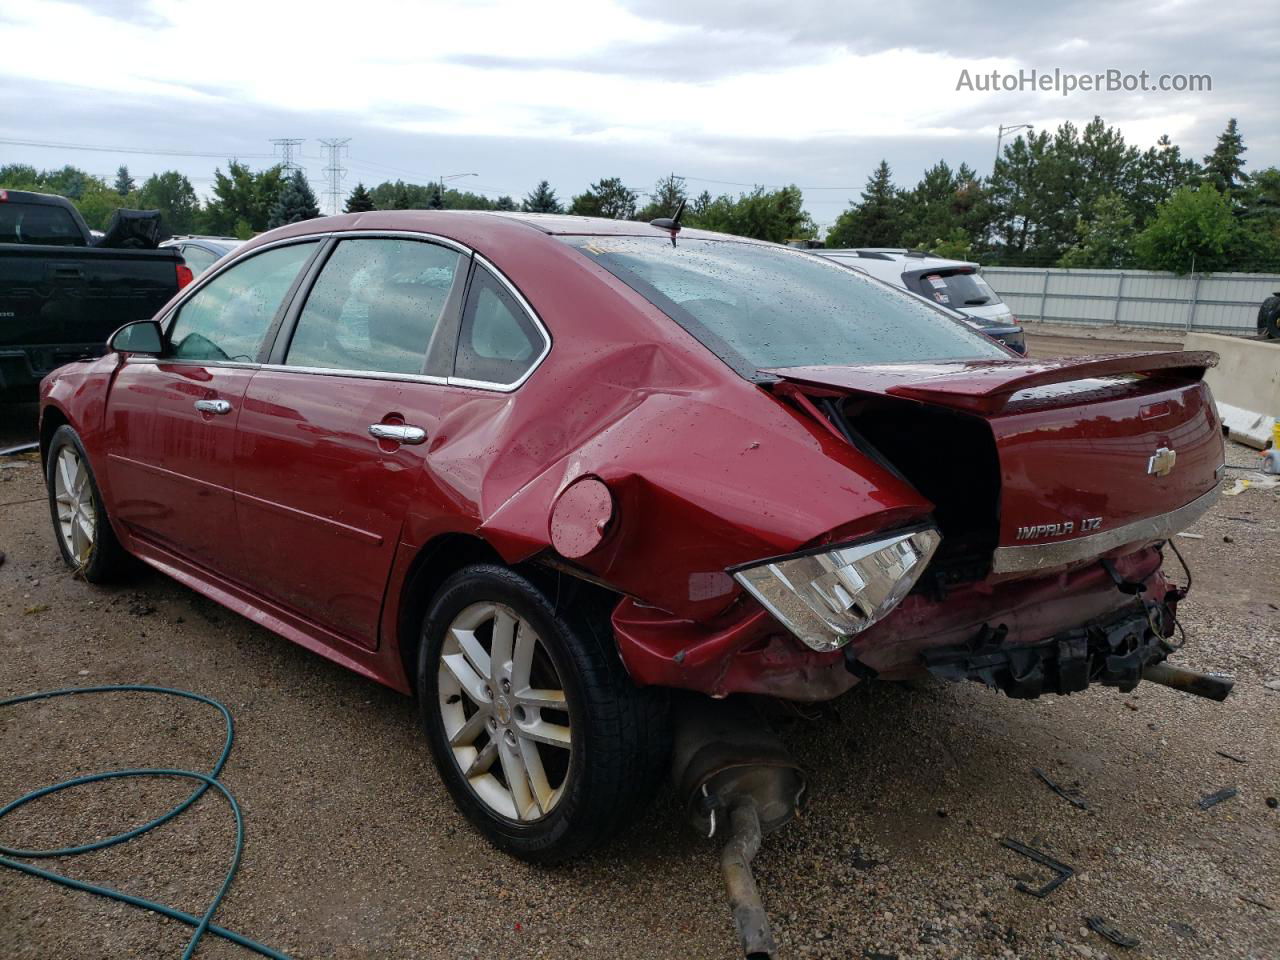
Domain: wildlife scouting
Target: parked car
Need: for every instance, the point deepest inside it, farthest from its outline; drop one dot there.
(542, 471)
(201, 253)
(955, 284)
(62, 292)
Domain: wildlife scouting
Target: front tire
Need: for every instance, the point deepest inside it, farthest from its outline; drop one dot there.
(543, 741)
(80, 523)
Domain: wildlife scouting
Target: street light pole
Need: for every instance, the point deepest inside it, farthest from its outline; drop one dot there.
(1006, 129)
(452, 176)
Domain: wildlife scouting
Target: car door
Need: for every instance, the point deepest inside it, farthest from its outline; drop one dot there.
(333, 433)
(172, 419)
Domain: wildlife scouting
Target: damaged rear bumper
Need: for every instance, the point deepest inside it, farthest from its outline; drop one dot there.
(1113, 652)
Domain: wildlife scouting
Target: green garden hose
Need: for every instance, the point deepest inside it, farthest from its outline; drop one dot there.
(203, 924)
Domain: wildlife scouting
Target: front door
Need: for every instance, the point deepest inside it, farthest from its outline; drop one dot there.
(172, 419)
(332, 439)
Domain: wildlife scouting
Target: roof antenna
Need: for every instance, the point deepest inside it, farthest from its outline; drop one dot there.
(671, 223)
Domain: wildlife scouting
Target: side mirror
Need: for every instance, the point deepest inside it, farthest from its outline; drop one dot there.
(142, 336)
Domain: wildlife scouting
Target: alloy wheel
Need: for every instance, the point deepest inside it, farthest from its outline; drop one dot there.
(73, 497)
(504, 712)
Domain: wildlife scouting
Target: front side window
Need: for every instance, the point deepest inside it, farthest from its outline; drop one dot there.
(497, 342)
(375, 306)
(758, 307)
(228, 318)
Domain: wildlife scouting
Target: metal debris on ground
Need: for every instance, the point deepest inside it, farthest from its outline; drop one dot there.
(20, 448)
(1062, 872)
(1104, 929)
(1213, 799)
(1230, 756)
(1075, 801)
(1192, 536)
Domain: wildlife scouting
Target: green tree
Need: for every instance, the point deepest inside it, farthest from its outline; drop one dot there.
(1191, 232)
(1106, 236)
(774, 215)
(19, 176)
(97, 202)
(504, 203)
(294, 203)
(1162, 169)
(542, 200)
(1224, 167)
(173, 195)
(876, 220)
(242, 196)
(668, 194)
(360, 201)
(609, 197)
(70, 182)
(435, 200)
(1257, 243)
(124, 184)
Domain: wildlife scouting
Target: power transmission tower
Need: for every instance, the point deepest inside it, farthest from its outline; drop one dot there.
(334, 171)
(286, 147)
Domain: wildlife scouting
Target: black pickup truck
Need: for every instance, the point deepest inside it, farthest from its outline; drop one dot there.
(62, 293)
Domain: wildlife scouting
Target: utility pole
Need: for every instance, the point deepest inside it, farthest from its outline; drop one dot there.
(286, 147)
(334, 171)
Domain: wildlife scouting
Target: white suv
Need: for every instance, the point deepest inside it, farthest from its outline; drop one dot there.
(955, 284)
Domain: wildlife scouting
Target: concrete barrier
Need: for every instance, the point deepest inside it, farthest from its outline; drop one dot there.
(1245, 383)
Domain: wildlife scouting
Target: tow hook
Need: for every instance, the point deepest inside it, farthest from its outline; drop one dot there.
(737, 779)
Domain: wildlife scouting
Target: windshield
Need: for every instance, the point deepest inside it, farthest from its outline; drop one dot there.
(759, 306)
(955, 290)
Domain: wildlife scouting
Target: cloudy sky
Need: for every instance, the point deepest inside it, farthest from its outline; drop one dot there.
(722, 92)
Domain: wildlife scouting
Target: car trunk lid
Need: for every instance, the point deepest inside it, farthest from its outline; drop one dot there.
(1090, 453)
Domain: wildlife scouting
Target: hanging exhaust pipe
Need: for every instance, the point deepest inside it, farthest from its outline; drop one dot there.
(1189, 681)
(736, 779)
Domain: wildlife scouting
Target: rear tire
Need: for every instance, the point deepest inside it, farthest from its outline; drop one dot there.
(547, 747)
(80, 523)
(1269, 318)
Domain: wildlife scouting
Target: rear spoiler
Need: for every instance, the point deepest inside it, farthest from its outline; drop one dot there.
(985, 386)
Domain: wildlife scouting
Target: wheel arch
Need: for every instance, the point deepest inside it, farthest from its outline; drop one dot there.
(446, 554)
(51, 418)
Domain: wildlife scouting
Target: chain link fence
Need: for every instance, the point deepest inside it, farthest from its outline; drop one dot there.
(1207, 302)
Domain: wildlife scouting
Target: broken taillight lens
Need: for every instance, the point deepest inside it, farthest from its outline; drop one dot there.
(827, 597)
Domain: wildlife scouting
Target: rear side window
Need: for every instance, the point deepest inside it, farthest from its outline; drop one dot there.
(498, 343)
(198, 258)
(38, 223)
(375, 306)
(228, 318)
(956, 290)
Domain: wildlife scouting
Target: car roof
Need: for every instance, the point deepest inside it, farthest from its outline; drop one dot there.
(476, 227)
(911, 260)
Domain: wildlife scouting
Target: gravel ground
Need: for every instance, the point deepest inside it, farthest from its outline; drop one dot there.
(354, 850)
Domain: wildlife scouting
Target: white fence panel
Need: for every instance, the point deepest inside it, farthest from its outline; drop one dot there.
(1210, 302)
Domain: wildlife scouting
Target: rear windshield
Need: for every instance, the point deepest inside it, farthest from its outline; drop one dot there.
(955, 290)
(759, 306)
(38, 223)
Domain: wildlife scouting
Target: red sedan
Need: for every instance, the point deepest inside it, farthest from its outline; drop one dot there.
(540, 470)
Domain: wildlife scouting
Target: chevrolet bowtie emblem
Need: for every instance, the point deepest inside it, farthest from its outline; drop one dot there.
(1161, 463)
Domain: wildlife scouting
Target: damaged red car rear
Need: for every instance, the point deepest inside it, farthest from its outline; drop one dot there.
(540, 471)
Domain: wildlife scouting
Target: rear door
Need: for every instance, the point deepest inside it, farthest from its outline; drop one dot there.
(172, 420)
(334, 433)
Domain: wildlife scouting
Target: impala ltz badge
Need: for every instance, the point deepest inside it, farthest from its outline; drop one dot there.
(1162, 461)
(1063, 528)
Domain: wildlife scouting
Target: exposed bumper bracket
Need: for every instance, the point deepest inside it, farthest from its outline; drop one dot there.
(1113, 652)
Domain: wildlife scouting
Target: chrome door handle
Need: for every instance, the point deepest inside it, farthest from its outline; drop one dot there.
(398, 433)
(213, 406)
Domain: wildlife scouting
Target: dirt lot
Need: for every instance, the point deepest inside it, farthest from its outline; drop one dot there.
(355, 851)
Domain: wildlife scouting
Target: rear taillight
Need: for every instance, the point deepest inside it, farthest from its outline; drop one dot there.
(4, 195)
(185, 275)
